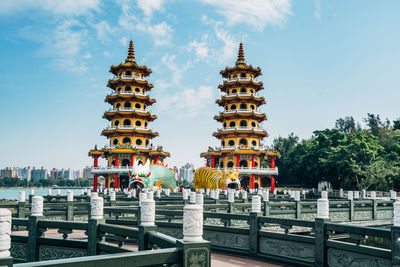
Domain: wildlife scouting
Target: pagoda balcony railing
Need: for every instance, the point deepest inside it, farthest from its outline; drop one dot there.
(242, 79)
(256, 111)
(130, 146)
(252, 170)
(242, 94)
(242, 128)
(128, 77)
(243, 147)
(139, 110)
(127, 127)
(126, 93)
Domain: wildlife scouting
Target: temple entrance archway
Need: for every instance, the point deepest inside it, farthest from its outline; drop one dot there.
(244, 182)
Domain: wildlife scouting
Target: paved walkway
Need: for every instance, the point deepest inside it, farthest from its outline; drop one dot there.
(217, 259)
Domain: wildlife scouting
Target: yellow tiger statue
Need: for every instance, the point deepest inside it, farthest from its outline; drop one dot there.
(206, 177)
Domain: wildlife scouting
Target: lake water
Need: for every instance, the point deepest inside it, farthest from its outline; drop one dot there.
(12, 193)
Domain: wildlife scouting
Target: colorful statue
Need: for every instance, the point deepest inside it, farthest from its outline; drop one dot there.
(206, 177)
(151, 176)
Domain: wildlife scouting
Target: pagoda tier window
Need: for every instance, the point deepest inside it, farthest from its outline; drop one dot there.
(223, 143)
(255, 164)
(116, 123)
(226, 108)
(137, 90)
(230, 164)
(231, 143)
(140, 162)
(233, 107)
(254, 143)
(232, 124)
(128, 73)
(243, 106)
(138, 123)
(147, 142)
(221, 164)
(127, 105)
(243, 90)
(253, 124)
(243, 163)
(128, 89)
(138, 142)
(252, 107)
(235, 76)
(125, 162)
(126, 140)
(119, 90)
(242, 75)
(118, 105)
(127, 122)
(137, 105)
(251, 91)
(115, 142)
(224, 124)
(145, 124)
(234, 91)
(144, 106)
(243, 142)
(243, 123)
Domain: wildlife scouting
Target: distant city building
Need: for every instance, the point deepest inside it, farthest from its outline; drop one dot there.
(9, 172)
(38, 174)
(26, 173)
(188, 174)
(78, 174)
(87, 172)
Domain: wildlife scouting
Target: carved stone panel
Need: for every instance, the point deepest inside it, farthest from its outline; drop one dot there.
(385, 214)
(341, 258)
(287, 248)
(363, 215)
(308, 216)
(197, 257)
(19, 251)
(339, 216)
(228, 240)
(53, 253)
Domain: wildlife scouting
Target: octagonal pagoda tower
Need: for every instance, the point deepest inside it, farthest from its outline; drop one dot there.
(129, 134)
(241, 134)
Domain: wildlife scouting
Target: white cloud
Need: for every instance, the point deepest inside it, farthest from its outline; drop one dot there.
(200, 48)
(160, 32)
(317, 12)
(256, 13)
(66, 44)
(188, 101)
(104, 31)
(63, 7)
(149, 6)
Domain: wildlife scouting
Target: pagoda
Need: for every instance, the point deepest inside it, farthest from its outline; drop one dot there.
(129, 134)
(241, 134)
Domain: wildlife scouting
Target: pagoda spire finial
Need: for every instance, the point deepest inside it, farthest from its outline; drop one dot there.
(131, 53)
(240, 59)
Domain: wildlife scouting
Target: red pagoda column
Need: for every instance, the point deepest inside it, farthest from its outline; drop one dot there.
(116, 175)
(156, 159)
(237, 161)
(213, 162)
(95, 165)
(132, 159)
(207, 164)
(252, 176)
(272, 177)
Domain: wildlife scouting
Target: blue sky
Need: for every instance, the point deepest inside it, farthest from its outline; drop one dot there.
(321, 60)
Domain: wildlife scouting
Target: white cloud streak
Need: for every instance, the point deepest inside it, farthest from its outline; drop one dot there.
(256, 13)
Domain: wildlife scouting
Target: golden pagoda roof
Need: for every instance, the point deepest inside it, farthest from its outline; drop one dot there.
(134, 113)
(239, 83)
(234, 132)
(130, 63)
(241, 65)
(254, 115)
(221, 152)
(143, 98)
(114, 83)
(258, 100)
(137, 131)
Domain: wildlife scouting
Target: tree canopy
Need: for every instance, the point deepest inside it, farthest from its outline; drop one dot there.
(348, 156)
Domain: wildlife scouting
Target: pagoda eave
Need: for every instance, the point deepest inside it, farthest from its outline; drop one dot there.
(112, 98)
(115, 83)
(241, 67)
(131, 115)
(226, 85)
(143, 133)
(114, 69)
(235, 133)
(226, 100)
(258, 117)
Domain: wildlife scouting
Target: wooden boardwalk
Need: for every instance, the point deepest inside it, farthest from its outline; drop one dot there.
(217, 259)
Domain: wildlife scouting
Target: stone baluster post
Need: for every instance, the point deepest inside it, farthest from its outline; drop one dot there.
(296, 197)
(185, 196)
(350, 197)
(193, 244)
(70, 205)
(200, 199)
(320, 235)
(147, 222)
(395, 234)
(374, 205)
(265, 199)
(341, 193)
(364, 193)
(192, 199)
(356, 195)
(32, 193)
(150, 195)
(393, 195)
(5, 237)
(231, 202)
(21, 205)
(158, 194)
(244, 196)
(113, 197)
(96, 218)
(324, 194)
(33, 232)
(253, 223)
